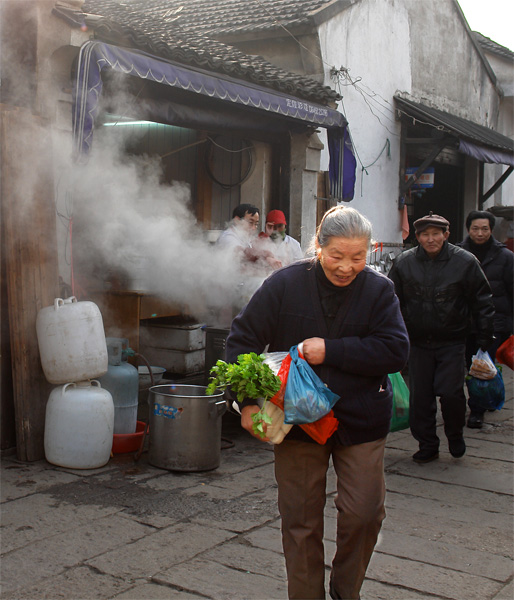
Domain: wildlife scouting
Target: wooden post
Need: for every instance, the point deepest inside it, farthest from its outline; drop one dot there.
(29, 230)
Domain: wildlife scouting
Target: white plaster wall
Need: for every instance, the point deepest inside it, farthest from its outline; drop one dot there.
(371, 39)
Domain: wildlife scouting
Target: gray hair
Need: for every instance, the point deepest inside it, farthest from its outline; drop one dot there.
(343, 221)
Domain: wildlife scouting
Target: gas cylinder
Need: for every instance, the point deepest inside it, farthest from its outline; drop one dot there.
(71, 341)
(122, 381)
(79, 425)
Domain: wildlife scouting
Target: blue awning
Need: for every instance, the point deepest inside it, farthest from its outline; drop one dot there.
(487, 155)
(95, 56)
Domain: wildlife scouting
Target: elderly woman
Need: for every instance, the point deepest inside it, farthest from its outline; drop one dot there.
(353, 334)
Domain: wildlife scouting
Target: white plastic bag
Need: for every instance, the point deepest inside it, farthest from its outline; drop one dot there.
(274, 360)
(482, 366)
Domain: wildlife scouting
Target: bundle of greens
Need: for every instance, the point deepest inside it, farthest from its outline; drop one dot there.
(250, 377)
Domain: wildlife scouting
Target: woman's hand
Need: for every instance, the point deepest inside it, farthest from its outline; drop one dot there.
(247, 422)
(314, 350)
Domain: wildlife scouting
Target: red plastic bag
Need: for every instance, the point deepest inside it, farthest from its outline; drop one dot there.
(505, 353)
(320, 430)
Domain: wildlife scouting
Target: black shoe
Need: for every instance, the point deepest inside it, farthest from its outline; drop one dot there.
(475, 421)
(425, 456)
(457, 447)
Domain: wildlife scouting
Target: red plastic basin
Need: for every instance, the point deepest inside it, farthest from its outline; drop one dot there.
(128, 442)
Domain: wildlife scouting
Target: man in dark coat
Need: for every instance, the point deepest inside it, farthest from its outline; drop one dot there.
(442, 291)
(497, 262)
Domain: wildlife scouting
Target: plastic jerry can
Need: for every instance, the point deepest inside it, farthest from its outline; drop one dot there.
(79, 425)
(71, 341)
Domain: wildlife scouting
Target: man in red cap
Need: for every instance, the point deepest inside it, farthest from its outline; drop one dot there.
(285, 248)
(442, 292)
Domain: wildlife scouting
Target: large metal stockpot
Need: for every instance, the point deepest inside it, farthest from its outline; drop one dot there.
(185, 427)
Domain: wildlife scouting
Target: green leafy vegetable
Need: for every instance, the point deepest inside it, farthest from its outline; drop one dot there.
(250, 377)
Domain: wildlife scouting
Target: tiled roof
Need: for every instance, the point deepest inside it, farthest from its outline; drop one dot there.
(163, 28)
(489, 46)
(221, 17)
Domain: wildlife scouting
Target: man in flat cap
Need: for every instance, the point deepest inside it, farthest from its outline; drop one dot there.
(442, 291)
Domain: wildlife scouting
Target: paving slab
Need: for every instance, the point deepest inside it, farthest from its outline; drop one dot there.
(451, 556)
(39, 517)
(238, 554)
(19, 479)
(54, 555)
(411, 487)
(468, 535)
(376, 590)
(163, 549)
(267, 537)
(429, 579)
(440, 508)
(250, 480)
(447, 470)
(73, 584)
(506, 593)
(157, 591)
(201, 576)
(241, 514)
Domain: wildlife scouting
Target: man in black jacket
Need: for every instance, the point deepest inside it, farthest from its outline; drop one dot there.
(442, 292)
(497, 262)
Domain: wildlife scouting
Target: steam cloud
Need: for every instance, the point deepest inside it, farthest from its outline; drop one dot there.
(128, 222)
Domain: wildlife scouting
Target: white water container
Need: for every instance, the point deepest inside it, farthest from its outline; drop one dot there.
(71, 341)
(79, 425)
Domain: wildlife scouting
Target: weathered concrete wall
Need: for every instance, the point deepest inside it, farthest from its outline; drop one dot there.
(446, 66)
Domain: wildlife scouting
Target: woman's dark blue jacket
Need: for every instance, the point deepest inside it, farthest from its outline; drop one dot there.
(362, 346)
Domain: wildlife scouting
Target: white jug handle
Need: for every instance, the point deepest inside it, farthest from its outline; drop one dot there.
(96, 382)
(66, 386)
(70, 300)
(58, 302)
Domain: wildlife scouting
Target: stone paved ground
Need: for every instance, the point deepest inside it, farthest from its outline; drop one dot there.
(133, 531)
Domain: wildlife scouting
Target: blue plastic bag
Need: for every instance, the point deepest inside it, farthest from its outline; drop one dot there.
(400, 418)
(488, 394)
(306, 398)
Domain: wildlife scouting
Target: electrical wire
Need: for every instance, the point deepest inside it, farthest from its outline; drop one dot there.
(333, 71)
(371, 94)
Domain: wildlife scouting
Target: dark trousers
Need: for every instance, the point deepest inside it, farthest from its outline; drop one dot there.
(436, 372)
(300, 470)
